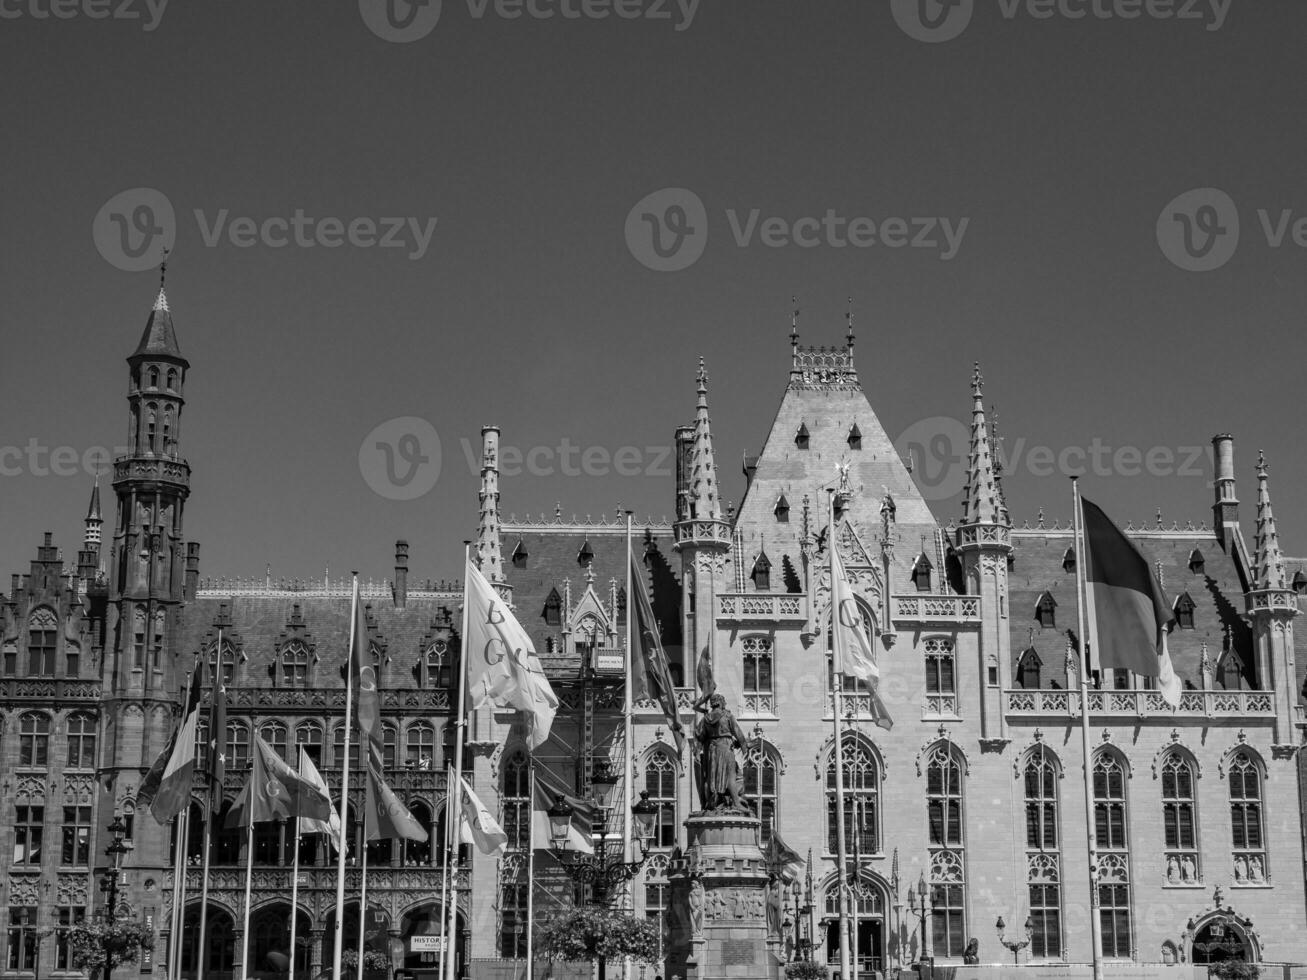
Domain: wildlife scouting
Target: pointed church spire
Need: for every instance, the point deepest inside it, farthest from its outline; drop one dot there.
(996, 444)
(1268, 560)
(489, 556)
(94, 520)
(159, 337)
(981, 502)
(703, 469)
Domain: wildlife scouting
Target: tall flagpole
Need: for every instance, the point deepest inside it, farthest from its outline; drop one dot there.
(363, 900)
(249, 876)
(344, 791)
(177, 919)
(456, 798)
(628, 733)
(214, 690)
(836, 686)
(295, 872)
(448, 862)
(1095, 919)
(531, 855)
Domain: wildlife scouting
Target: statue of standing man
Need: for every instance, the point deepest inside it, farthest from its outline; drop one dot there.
(718, 734)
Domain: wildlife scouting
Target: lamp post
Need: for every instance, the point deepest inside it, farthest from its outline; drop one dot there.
(919, 905)
(109, 885)
(605, 868)
(1015, 945)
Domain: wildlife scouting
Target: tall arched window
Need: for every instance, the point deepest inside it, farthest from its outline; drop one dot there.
(760, 786)
(515, 796)
(861, 798)
(944, 797)
(227, 669)
(660, 782)
(419, 851)
(420, 750)
(1043, 861)
(1180, 820)
(274, 733)
(388, 739)
(34, 740)
(81, 741)
(295, 665)
(1110, 831)
(1247, 819)
(42, 634)
(439, 662)
(759, 692)
(309, 738)
(238, 745)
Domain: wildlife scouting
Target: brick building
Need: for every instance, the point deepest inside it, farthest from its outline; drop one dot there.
(977, 789)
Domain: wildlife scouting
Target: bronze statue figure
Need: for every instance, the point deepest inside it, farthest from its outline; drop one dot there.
(721, 786)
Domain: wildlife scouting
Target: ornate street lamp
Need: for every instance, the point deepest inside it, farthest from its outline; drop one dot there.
(919, 905)
(109, 885)
(1015, 945)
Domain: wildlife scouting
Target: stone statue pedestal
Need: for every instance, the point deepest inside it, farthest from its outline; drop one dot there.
(719, 903)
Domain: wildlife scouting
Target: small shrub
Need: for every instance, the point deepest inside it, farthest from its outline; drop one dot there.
(805, 970)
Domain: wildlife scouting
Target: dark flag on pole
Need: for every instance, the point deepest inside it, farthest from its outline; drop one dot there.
(650, 676)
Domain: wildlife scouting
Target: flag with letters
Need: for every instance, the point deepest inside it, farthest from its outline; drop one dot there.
(502, 666)
(651, 677)
(275, 791)
(363, 676)
(385, 815)
(851, 642)
(478, 826)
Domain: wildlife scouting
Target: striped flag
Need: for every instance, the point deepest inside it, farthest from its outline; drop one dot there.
(364, 676)
(650, 675)
(310, 825)
(167, 786)
(546, 787)
(1128, 617)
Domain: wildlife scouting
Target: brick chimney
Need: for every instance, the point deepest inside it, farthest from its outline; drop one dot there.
(401, 574)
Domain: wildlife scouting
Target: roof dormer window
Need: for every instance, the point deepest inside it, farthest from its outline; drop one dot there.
(519, 555)
(782, 509)
(1184, 611)
(921, 570)
(1046, 611)
(855, 437)
(801, 437)
(1197, 564)
(761, 573)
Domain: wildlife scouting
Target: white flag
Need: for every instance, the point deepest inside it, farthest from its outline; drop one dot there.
(502, 666)
(479, 827)
(853, 651)
(310, 825)
(1167, 682)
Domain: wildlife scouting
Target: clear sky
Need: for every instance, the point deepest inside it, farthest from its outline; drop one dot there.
(1032, 161)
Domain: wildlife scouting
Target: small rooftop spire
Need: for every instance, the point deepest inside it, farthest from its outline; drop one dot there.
(159, 337)
(161, 301)
(703, 470)
(794, 322)
(848, 316)
(93, 513)
(1268, 560)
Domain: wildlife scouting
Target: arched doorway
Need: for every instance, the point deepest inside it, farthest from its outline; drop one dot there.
(420, 932)
(376, 939)
(1221, 938)
(270, 944)
(219, 943)
(868, 928)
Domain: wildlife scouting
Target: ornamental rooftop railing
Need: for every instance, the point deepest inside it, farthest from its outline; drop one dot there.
(1141, 704)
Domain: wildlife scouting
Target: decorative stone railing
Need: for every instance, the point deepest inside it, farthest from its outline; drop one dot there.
(430, 782)
(333, 698)
(415, 877)
(977, 534)
(49, 689)
(1202, 704)
(925, 608)
(695, 530)
(742, 606)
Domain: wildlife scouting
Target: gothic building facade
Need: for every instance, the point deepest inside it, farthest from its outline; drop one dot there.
(976, 792)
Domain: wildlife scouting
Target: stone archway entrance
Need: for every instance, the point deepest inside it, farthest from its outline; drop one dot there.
(1220, 939)
(869, 929)
(420, 932)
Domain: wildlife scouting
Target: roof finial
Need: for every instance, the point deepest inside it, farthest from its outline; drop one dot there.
(848, 316)
(161, 301)
(977, 381)
(794, 321)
